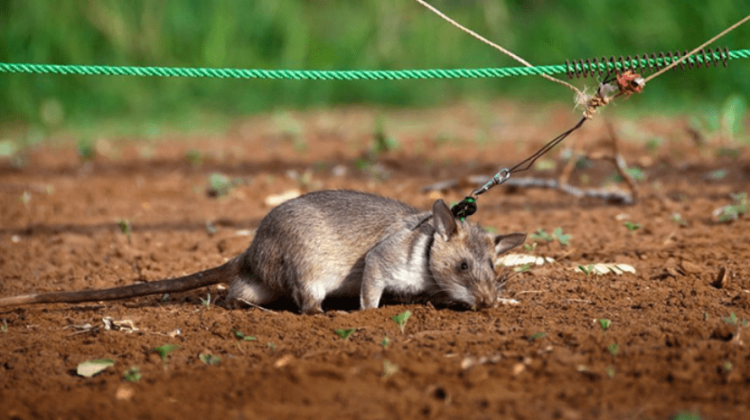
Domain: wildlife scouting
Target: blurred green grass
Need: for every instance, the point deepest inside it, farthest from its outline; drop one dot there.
(338, 35)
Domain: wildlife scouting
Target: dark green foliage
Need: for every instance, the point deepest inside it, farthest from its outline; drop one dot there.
(336, 35)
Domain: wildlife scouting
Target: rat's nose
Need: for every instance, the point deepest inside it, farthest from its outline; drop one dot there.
(485, 298)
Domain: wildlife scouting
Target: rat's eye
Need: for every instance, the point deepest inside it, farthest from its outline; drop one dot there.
(492, 266)
(463, 266)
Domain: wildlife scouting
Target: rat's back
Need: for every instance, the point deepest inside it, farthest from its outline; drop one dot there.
(314, 245)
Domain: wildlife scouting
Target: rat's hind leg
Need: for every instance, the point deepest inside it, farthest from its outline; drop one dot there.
(310, 299)
(248, 292)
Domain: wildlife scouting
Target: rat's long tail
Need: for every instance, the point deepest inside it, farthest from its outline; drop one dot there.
(222, 273)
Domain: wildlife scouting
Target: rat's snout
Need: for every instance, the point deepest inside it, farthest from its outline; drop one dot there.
(485, 297)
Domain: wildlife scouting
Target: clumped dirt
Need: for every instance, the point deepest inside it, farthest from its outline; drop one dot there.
(677, 343)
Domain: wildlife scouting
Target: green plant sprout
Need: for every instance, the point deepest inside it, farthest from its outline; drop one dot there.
(163, 351)
(557, 234)
(383, 143)
(610, 371)
(614, 349)
(677, 218)
(731, 319)
(523, 268)
(605, 323)
(727, 366)
(132, 374)
(530, 247)
(4, 327)
(271, 346)
(733, 211)
(632, 226)
(209, 359)
(344, 333)
(210, 228)
(126, 228)
(542, 235)
(243, 337)
(587, 270)
(717, 175)
(687, 415)
(219, 185)
(385, 342)
(207, 301)
(194, 157)
(86, 149)
(562, 238)
(401, 319)
(537, 336)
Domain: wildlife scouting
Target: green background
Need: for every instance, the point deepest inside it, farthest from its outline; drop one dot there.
(342, 35)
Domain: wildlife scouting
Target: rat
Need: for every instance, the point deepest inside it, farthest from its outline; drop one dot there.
(342, 244)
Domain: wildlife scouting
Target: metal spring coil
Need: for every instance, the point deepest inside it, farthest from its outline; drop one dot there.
(646, 63)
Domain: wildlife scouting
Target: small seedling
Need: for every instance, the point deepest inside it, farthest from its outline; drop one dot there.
(90, 368)
(389, 368)
(542, 235)
(271, 346)
(165, 297)
(717, 175)
(86, 150)
(632, 226)
(383, 142)
(523, 268)
(687, 415)
(614, 348)
(705, 316)
(209, 359)
(401, 319)
(164, 350)
(386, 341)
(561, 237)
(530, 247)
(610, 371)
(556, 234)
(537, 336)
(125, 228)
(727, 366)
(4, 327)
(210, 228)
(731, 319)
(653, 143)
(133, 374)
(219, 185)
(605, 323)
(677, 218)
(636, 173)
(243, 337)
(344, 333)
(739, 207)
(587, 270)
(195, 157)
(207, 301)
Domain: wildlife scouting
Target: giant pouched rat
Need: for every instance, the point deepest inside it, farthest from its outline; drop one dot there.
(342, 244)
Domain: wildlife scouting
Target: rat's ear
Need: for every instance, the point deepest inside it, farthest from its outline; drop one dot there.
(445, 223)
(507, 242)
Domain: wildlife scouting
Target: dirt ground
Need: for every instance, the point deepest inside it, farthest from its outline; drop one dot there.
(677, 345)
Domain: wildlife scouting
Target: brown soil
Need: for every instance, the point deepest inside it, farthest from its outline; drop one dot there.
(678, 351)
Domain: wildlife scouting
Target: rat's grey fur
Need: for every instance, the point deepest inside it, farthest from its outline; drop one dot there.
(345, 244)
(342, 244)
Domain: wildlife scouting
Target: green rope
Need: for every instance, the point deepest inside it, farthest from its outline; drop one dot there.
(338, 74)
